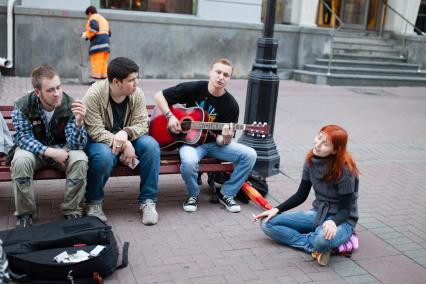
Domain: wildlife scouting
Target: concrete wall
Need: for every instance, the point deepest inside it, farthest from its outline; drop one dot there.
(248, 11)
(409, 9)
(164, 45)
(79, 5)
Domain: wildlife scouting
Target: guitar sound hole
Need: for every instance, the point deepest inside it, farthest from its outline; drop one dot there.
(185, 124)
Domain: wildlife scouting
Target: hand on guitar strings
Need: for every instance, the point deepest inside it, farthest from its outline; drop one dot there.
(174, 124)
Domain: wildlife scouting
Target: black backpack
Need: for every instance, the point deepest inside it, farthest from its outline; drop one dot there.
(257, 181)
(31, 251)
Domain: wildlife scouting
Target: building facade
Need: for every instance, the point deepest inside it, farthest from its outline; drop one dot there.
(178, 39)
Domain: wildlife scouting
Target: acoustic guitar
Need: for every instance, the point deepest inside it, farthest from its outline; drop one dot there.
(195, 125)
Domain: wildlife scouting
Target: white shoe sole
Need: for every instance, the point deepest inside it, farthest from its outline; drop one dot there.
(230, 209)
(190, 208)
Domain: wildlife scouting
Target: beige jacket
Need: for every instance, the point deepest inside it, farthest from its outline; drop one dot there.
(99, 118)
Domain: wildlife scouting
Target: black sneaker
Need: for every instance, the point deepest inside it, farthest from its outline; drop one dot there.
(229, 203)
(24, 221)
(190, 204)
(72, 216)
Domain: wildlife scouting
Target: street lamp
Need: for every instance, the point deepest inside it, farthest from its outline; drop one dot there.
(262, 92)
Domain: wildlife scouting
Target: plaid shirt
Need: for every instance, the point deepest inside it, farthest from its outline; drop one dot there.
(76, 138)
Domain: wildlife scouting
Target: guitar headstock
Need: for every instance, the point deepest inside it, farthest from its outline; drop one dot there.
(258, 129)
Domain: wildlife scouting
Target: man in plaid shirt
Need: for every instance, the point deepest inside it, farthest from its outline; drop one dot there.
(50, 131)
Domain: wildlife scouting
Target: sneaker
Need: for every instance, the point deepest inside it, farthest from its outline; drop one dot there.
(229, 203)
(190, 204)
(72, 216)
(322, 258)
(350, 246)
(149, 214)
(24, 221)
(96, 211)
(355, 241)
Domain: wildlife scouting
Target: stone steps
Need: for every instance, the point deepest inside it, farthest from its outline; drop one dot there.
(367, 57)
(366, 70)
(360, 46)
(321, 78)
(363, 59)
(364, 51)
(367, 64)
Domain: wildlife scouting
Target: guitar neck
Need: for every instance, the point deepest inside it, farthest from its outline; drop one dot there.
(215, 125)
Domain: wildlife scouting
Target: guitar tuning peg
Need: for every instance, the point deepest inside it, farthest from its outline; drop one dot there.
(254, 122)
(265, 123)
(263, 136)
(252, 134)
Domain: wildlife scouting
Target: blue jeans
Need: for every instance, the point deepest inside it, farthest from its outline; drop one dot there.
(295, 229)
(102, 161)
(243, 158)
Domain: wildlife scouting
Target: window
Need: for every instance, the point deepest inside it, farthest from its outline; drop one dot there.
(279, 11)
(162, 6)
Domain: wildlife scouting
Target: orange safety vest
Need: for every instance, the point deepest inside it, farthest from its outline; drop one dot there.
(97, 31)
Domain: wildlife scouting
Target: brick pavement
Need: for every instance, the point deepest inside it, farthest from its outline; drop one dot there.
(388, 140)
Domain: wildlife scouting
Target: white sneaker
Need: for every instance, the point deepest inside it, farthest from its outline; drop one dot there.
(149, 213)
(96, 211)
(229, 203)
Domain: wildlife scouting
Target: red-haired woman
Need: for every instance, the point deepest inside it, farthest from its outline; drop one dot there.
(330, 170)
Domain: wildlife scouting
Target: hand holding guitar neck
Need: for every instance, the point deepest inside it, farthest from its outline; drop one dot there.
(227, 133)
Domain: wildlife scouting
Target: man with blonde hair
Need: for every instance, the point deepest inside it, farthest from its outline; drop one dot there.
(221, 106)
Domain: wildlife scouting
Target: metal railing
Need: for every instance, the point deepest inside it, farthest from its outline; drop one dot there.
(404, 41)
(332, 31)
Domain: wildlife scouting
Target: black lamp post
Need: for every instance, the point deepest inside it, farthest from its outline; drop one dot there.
(262, 92)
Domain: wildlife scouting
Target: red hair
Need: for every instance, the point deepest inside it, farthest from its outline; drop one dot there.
(338, 137)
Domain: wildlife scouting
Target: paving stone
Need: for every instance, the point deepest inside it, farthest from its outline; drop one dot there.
(387, 140)
(361, 279)
(407, 247)
(394, 269)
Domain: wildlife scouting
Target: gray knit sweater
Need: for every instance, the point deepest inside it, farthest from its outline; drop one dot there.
(327, 193)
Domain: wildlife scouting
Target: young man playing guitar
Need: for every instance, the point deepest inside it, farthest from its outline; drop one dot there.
(222, 107)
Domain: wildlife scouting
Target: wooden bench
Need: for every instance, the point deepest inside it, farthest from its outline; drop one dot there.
(170, 161)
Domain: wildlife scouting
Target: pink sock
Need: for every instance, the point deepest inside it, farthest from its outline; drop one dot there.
(346, 247)
(354, 241)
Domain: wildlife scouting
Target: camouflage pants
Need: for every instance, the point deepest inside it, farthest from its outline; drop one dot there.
(23, 166)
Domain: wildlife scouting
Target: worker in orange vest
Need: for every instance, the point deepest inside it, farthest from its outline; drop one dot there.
(98, 32)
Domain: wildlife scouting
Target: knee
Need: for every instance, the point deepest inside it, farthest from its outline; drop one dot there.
(188, 166)
(152, 146)
(248, 156)
(319, 243)
(77, 157)
(251, 156)
(265, 226)
(22, 167)
(148, 145)
(79, 169)
(101, 160)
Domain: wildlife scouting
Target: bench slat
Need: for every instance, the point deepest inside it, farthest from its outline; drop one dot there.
(169, 161)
